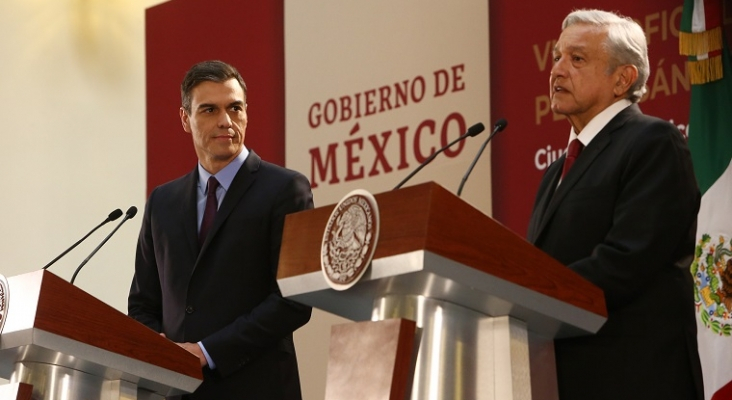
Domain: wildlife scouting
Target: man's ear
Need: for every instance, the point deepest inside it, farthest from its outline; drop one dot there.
(185, 120)
(626, 75)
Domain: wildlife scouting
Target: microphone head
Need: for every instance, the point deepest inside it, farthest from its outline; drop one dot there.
(131, 212)
(475, 129)
(114, 215)
(500, 125)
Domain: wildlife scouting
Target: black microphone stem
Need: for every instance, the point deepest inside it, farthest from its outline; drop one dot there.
(500, 125)
(74, 245)
(472, 131)
(427, 161)
(130, 213)
(112, 216)
(472, 165)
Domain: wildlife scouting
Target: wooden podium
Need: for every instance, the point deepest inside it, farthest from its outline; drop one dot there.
(483, 298)
(63, 343)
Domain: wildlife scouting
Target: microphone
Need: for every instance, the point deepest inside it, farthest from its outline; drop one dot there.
(499, 126)
(128, 215)
(111, 217)
(472, 131)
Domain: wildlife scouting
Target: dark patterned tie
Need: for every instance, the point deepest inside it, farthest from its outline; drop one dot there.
(209, 212)
(575, 148)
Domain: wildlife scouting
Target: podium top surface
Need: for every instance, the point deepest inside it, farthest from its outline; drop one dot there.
(434, 244)
(51, 321)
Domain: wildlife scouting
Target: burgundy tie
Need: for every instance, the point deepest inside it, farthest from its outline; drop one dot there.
(575, 147)
(209, 212)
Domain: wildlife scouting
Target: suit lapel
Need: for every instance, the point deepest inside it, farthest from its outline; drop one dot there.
(544, 196)
(244, 178)
(577, 172)
(190, 210)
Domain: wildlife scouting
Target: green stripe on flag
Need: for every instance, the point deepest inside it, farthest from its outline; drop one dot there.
(686, 16)
(710, 126)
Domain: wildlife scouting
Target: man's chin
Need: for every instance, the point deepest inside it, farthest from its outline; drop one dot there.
(558, 109)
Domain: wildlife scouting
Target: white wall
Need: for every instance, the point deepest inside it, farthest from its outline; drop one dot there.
(72, 106)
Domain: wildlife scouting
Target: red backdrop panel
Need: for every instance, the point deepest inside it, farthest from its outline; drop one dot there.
(521, 44)
(180, 33)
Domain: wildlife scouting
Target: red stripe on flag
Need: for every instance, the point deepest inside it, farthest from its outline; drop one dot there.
(712, 13)
(724, 393)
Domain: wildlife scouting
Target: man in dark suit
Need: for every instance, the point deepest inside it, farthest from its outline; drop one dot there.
(623, 217)
(215, 293)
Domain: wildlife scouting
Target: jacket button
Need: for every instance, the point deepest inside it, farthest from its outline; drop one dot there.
(190, 310)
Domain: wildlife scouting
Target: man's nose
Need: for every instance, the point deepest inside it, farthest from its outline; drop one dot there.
(224, 120)
(558, 67)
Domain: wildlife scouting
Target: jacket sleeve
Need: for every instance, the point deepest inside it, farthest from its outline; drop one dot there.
(144, 303)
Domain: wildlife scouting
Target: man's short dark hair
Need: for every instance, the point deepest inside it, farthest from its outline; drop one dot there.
(214, 71)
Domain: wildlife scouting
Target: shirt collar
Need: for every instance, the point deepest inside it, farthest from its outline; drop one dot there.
(226, 175)
(598, 122)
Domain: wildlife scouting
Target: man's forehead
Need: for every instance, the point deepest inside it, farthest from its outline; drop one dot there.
(218, 92)
(570, 47)
(580, 37)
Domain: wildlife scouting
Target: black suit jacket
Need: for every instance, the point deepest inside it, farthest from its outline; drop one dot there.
(226, 293)
(624, 218)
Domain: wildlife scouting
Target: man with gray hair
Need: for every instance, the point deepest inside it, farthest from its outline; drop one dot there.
(619, 208)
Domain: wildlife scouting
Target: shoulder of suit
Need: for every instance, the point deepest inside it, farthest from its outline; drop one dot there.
(648, 134)
(177, 183)
(634, 114)
(635, 123)
(267, 167)
(274, 167)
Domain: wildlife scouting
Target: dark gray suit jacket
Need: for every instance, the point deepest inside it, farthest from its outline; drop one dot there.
(624, 218)
(226, 294)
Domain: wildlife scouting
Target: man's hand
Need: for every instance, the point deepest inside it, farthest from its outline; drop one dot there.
(195, 349)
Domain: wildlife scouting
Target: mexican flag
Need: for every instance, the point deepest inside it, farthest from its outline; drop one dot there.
(703, 39)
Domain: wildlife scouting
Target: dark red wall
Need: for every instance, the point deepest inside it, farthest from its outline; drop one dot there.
(248, 35)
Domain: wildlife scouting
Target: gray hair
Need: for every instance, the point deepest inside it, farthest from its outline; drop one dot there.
(626, 44)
